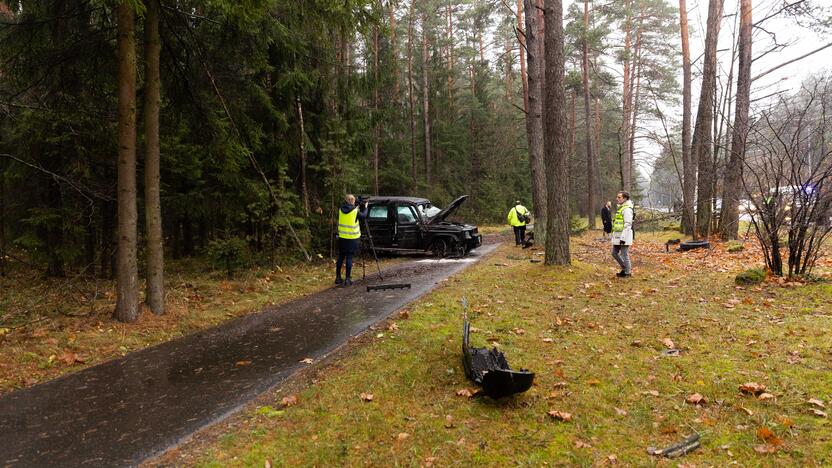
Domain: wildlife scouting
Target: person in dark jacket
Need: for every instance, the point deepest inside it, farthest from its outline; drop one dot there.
(606, 218)
(350, 218)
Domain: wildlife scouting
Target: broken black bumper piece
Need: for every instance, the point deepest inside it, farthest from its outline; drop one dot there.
(380, 287)
(490, 370)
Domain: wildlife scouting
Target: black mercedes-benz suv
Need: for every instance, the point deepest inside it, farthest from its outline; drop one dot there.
(411, 225)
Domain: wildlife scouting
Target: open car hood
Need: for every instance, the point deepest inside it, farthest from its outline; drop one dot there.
(442, 215)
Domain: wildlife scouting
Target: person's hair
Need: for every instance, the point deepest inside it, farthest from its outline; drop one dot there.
(349, 198)
(517, 202)
(608, 203)
(626, 195)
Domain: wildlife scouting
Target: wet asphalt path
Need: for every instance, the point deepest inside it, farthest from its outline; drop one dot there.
(130, 409)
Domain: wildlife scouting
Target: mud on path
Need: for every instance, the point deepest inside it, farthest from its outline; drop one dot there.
(129, 409)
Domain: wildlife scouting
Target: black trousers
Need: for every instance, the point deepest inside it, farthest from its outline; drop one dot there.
(519, 234)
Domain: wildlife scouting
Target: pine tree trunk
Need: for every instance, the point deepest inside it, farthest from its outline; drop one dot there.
(127, 281)
(733, 173)
(557, 162)
(688, 165)
(376, 136)
(304, 189)
(426, 100)
(411, 106)
(395, 55)
(153, 205)
(2, 224)
(635, 90)
(534, 118)
(626, 99)
(571, 148)
(509, 82)
(450, 59)
(523, 77)
(591, 192)
(599, 181)
(702, 132)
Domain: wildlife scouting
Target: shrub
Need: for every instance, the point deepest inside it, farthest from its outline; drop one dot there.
(734, 246)
(672, 226)
(752, 276)
(577, 225)
(229, 253)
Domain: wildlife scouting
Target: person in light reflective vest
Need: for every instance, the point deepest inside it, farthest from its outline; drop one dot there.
(622, 233)
(518, 217)
(350, 217)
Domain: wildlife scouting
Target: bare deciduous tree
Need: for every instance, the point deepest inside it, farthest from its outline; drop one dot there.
(789, 177)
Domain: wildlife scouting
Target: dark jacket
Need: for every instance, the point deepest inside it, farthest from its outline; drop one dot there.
(606, 219)
(351, 245)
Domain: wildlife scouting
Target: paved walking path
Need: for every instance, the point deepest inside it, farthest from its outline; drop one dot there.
(127, 410)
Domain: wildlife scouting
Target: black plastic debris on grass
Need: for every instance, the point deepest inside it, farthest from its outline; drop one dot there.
(694, 244)
(686, 446)
(380, 287)
(490, 370)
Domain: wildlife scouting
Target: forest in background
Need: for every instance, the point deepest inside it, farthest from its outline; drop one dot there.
(419, 99)
(256, 117)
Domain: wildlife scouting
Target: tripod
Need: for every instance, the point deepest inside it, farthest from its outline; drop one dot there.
(364, 254)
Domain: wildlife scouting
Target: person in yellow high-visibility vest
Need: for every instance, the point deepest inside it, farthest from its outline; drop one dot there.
(518, 217)
(622, 233)
(349, 236)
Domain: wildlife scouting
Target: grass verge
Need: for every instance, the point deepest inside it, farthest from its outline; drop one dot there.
(626, 358)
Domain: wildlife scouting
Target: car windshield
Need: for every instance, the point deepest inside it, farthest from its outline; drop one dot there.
(428, 211)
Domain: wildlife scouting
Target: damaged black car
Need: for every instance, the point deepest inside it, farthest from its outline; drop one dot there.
(415, 225)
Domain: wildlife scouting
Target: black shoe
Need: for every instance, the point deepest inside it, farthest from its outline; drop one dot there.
(621, 274)
(348, 282)
(338, 280)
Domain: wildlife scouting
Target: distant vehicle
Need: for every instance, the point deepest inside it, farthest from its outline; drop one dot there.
(414, 225)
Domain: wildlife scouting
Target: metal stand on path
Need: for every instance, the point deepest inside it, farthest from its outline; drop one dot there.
(373, 248)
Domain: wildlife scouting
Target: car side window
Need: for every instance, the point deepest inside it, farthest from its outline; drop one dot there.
(378, 213)
(405, 214)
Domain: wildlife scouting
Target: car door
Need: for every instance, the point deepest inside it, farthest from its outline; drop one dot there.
(381, 227)
(408, 232)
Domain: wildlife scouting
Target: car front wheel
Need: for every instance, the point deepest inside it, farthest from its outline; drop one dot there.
(441, 247)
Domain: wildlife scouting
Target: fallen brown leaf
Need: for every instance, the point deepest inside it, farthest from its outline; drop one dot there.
(581, 444)
(765, 396)
(366, 396)
(753, 388)
(243, 363)
(818, 413)
(464, 393)
(765, 448)
(402, 436)
(816, 402)
(696, 399)
(449, 421)
(308, 360)
(560, 416)
(290, 400)
(766, 435)
(670, 429)
(668, 343)
(651, 393)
